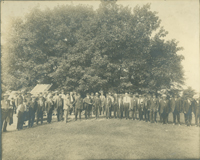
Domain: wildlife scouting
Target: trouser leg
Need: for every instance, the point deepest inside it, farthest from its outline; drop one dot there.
(76, 112)
(174, 117)
(155, 116)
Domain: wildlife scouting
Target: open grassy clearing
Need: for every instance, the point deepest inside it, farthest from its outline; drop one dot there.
(102, 139)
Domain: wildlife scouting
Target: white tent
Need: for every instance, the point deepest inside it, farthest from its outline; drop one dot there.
(40, 88)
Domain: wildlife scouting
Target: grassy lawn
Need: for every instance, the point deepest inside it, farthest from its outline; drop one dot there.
(102, 139)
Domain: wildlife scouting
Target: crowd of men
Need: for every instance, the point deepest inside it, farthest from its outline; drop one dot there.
(146, 107)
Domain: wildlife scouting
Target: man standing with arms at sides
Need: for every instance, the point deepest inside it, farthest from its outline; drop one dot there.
(7, 112)
(97, 105)
(66, 107)
(32, 110)
(115, 105)
(140, 107)
(175, 109)
(49, 108)
(20, 115)
(197, 111)
(78, 106)
(163, 108)
(120, 107)
(59, 107)
(155, 108)
(71, 100)
(87, 105)
(92, 101)
(108, 104)
(133, 106)
(40, 109)
(102, 97)
(19, 99)
(145, 107)
(126, 103)
(188, 111)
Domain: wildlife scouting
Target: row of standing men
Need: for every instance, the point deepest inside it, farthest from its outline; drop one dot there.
(146, 106)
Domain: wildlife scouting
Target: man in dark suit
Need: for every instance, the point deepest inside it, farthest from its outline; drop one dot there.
(49, 108)
(175, 109)
(133, 107)
(7, 112)
(196, 105)
(32, 110)
(120, 107)
(115, 105)
(59, 107)
(78, 106)
(87, 105)
(188, 111)
(163, 109)
(108, 103)
(40, 108)
(141, 107)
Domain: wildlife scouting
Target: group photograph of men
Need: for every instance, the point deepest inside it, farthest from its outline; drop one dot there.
(103, 79)
(130, 106)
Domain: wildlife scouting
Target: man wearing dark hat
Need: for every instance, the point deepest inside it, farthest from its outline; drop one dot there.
(175, 109)
(87, 105)
(97, 105)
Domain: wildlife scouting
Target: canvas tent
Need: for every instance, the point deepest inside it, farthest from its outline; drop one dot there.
(40, 88)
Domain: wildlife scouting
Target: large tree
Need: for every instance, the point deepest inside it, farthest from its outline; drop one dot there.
(78, 48)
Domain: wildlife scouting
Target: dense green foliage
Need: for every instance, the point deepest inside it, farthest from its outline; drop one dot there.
(78, 48)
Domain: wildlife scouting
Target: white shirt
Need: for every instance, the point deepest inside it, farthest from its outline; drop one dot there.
(126, 99)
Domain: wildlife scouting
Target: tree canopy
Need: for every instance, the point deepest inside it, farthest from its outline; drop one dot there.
(113, 48)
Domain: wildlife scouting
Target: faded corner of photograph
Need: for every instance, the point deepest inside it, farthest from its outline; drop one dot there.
(107, 79)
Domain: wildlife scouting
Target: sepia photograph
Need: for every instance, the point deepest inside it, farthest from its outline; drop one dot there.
(100, 79)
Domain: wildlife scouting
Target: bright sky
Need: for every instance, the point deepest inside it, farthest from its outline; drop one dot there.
(179, 18)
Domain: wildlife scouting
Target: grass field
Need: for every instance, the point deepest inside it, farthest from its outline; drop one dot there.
(102, 139)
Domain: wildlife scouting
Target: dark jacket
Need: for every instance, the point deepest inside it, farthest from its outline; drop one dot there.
(78, 103)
